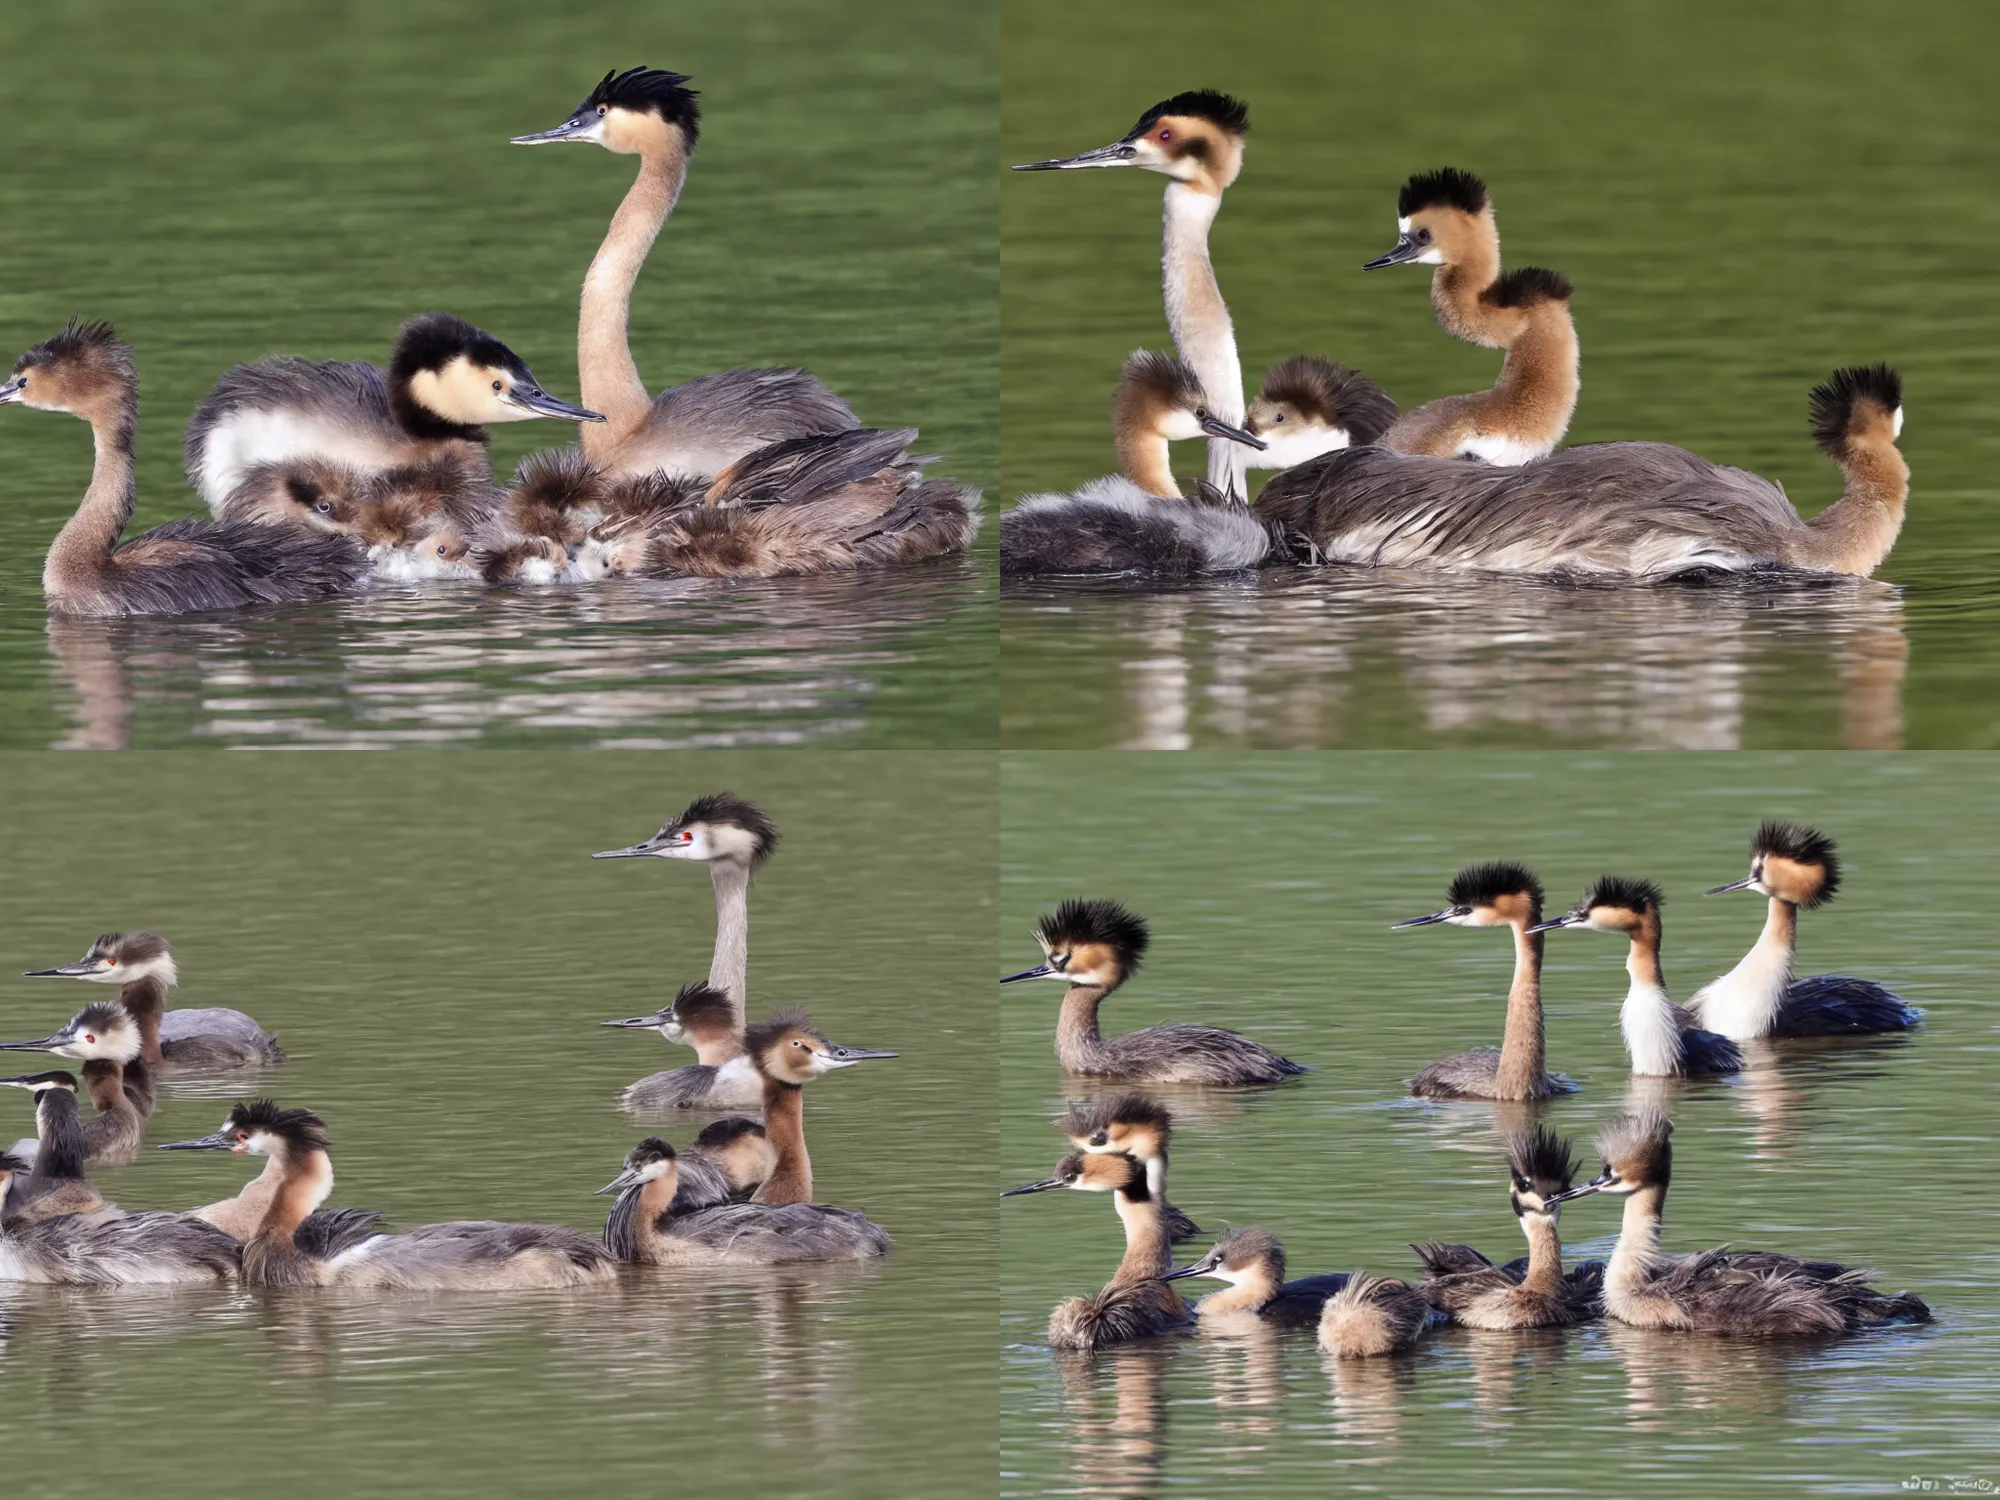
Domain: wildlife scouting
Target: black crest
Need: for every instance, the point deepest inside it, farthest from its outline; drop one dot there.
(648, 1151)
(1645, 1135)
(1445, 188)
(1542, 1158)
(102, 1016)
(1201, 104)
(726, 1132)
(701, 1001)
(1834, 401)
(1528, 286)
(1332, 394)
(1802, 845)
(1083, 1120)
(649, 89)
(1105, 922)
(299, 1127)
(77, 340)
(432, 340)
(761, 1037)
(1621, 890)
(1482, 885)
(727, 807)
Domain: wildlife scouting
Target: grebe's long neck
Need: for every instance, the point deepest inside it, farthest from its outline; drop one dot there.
(1743, 1004)
(242, 1215)
(105, 1078)
(1647, 1020)
(1199, 319)
(1855, 533)
(1079, 1044)
(729, 969)
(716, 1046)
(1545, 1255)
(146, 999)
(791, 1179)
(607, 376)
(61, 1137)
(304, 1180)
(1145, 458)
(1638, 1243)
(1536, 393)
(1520, 1073)
(1458, 286)
(1148, 1252)
(83, 547)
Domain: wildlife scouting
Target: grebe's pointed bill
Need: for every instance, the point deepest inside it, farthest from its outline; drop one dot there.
(639, 1023)
(1437, 916)
(1567, 919)
(1216, 427)
(847, 1057)
(1202, 1267)
(85, 970)
(1040, 971)
(11, 388)
(1117, 154)
(653, 847)
(630, 1177)
(46, 1044)
(1035, 1187)
(532, 398)
(1748, 882)
(1409, 245)
(585, 125)
(1581, 1190)
(222, 1140)
(24, 1080)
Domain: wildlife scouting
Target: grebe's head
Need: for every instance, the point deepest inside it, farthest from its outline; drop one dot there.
(1792, 863)
(1092, 1172)
(1158, 396)
(464, 376)
(260, 1128)
(720, 827)
(698, 1013)
(53, 1082)
(639, 112)
(789, 1048)
(1611, 903)
(1307, 407)
(104, 1030)
(1637, 1150)
(120, 958)
(1237, 1257)
(86, 370)
(1540, 1171)
(1130, 1123)
(1442, 219)
(1092, 943)
(1195, 138)
(1859, 406)
(1502, 894)
(646, 1162)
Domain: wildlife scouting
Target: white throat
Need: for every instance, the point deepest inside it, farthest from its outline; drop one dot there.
(1743, 1004)
(1651, 1037)
(1199, 320)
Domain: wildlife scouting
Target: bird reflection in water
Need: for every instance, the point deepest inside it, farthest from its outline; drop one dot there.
(1294, 658)
(626, 665)
(1113, 1403)
(1669, 1374)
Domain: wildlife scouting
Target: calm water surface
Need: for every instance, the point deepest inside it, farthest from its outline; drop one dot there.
(1737, 224)
(436, 964)
(264, 179)
(1271, 884)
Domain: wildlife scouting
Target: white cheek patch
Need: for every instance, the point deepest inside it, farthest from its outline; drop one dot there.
(1431, 257)
(1402, 226)
(1899, 422)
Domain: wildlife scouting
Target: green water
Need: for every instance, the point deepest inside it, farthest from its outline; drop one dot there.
(227, 182)
(434, 947)
(1271, 883)
(1746, 198)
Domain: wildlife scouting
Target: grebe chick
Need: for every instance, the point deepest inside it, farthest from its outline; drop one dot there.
(1136, 1303)
(417, 520)
(447, 382)
(1793, 866)
(179, 1041)
(1743, 1293)
(107, 1040)
(1445, 219)
(1374, 1315)
(701, 426)
(1464, 1284)
(1637, 511)
(733, 837)
(184, 566)
(1661, 1037)
(1498, 895)
(1308, 406)
(56, 1185)
(1093, 947)
(1143, 1130)
(324, 1233)
(139, 1249)
(470, 1255)
(730, 1159)
(1136, 521)
(1253, 1263)
(700, 1017)
(1196, 140)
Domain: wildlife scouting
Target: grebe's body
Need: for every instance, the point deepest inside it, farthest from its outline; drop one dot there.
(1136, 521)
(1498, 895)
(1470, 1289)
(107, 1040)
(1608, 510)
(1739, 1293)
(700, 1017)
(1375, 1315)
(208, 1038)
(184, 566)
(1093, 947)
(1793, 866)
(56, 1186)
(1661, 1037)
(1253, 1263)
(1445, 219)
(95, 1249)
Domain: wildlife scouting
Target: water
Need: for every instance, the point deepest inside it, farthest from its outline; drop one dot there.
(435, 956)
(1739, 220)
(1270, 883)
(260, 179)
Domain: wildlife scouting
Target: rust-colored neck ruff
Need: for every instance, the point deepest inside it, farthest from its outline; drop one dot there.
(791, 1179)
(82, 549)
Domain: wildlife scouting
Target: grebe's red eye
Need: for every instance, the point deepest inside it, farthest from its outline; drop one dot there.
(90, 1038)
(241, 1136)
(1166, 135)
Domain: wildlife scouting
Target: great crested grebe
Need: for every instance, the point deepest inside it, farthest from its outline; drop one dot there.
(700, 1017)
(176, 1041)
(446, 382)
(1136, 1303)
(1445, 219)
(701, 426)
(780, 1223)
(107, 1040)
(1498, 895)
(1253, 1263)
(1136, 521)
(1140, 1128)
(1470, 1289)
(324, 1232)
(1612, 510)
(150, 1248)
(470, 1255)
(1745, 1293)
(1094, 947)
(56, 1185)
(1374, 1315)
(1793, 866)
(1661, 1037)
(184, 566)
(1307, 407)
(1196, 140)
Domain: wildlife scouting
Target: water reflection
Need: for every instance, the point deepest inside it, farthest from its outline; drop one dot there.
(1668, 1374)
(624, 665)
(1113, 1405)
(1296, 658)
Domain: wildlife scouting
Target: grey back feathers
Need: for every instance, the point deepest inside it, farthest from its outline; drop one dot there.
(1111, 525)
(712, 421)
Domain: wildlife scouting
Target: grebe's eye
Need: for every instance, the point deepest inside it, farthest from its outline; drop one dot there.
(88, 1039)
(601, 109)
(324, 507)
(496, 385)
(1277, 419)
(440, 549)
(242, 1135)
(1165, 134)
